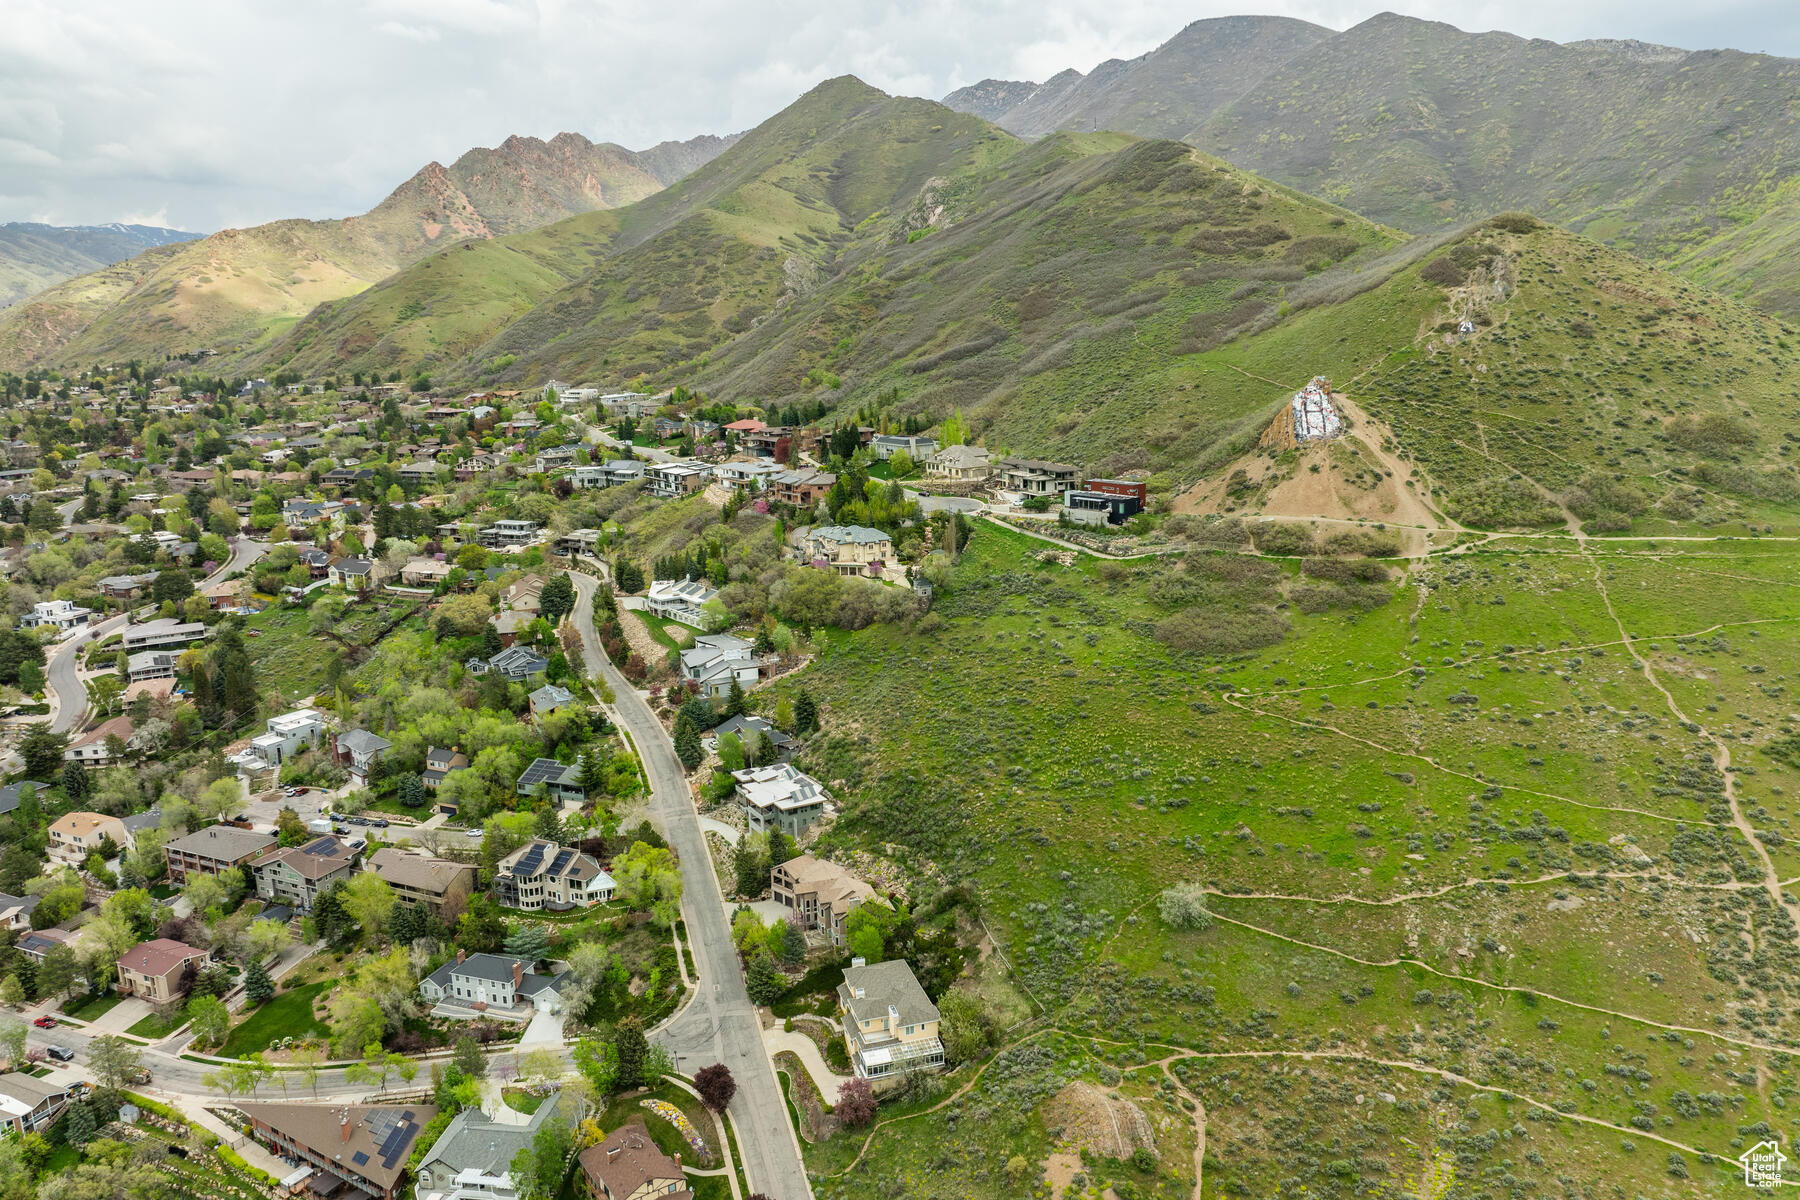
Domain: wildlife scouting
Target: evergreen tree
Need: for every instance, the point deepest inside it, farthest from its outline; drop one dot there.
(687, 742)
(806, 713)
(593, 772)
(628, 575)
(633, 1050)
(556, 599)
(408, 924)
(75, 781)
(258, 987)
(233, 675)
(490, 641)
(781, 847)
(763, 752)
(529, 942)
(735, 702)
(42, 751)
(549, 824)
(765, 639)
(763, 981)
(411, 790)
(793, 946)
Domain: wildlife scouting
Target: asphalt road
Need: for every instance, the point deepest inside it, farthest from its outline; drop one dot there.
(719, 1024)
(59, 673)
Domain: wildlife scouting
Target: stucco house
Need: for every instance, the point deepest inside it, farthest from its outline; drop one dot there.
(890, 1024)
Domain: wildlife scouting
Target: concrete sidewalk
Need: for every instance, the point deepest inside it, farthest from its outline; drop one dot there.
(807, 1050)
(251, 1152)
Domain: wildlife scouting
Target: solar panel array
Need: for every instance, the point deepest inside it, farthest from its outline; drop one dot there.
(541, 770)
(529, 864)
(393, 1149)
(563, 859)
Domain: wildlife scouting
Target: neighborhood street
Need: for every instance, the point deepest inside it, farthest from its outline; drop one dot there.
(719, 1024)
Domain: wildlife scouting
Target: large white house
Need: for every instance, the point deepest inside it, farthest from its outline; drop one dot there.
(286, 736)
(485, 982)
(679, 600)
(717, 659)
(65, 615)
(780, 797)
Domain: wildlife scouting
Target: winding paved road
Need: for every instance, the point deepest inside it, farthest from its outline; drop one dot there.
(68, 695)
(719, 1024)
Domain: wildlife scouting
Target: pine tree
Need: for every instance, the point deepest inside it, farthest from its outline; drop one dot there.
(687, 742)
(735, 703)
(549, 823)
(75, 781)
(763, 981)
(793, 946)
(763, 751)
(632, 1050)
(806, 713)
(258, 987)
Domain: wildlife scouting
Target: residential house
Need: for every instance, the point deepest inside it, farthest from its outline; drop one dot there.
(12, 793)
(555, 458)
(628, 1165)
(543, 875)
(423, 471)
(472, 1159)
(819, 894)
(39, 942)
(515, 662)
(781, 797)
(162, 634)
(15, 911)
(578, 541)
(151, 664)
(157, 971)
(300, 511)
(439, 763)
(917, 447)
(316, 561)
(679, 600)
(548, 699)
(29, 1104)
(286, 736)
(440, 884)
(65, 615)
(359, 750)
(802, 487)
(296, 875)
(559, 782)
(1035, 477)
(717, 660)
(748, 729)
(754, 476)
(961, 464)
(890, 1024)
(74, 835)
(848, 549)
(91, 749)
(127, 587)
(214, 850)
(508, 533)
(362, 1147)
(346, 477)
(353, 574)
(672, 479)
(475, 464)
(664, 428)
(425, 572)
(498, 983)
(1090, 507)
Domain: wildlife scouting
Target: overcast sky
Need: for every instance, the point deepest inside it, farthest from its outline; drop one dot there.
(205, 114)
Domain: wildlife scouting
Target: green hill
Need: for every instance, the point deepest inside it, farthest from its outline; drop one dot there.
(235, 287)
(34, 257)
(1680, 156)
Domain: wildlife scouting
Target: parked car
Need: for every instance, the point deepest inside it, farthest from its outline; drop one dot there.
(60, 1053)
(45, 1022)
(474, 833)
(379, 822)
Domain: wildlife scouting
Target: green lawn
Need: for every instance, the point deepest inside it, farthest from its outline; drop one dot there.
(89, 1008)
(520, 1100)
(287, 1015)
(154, 1026)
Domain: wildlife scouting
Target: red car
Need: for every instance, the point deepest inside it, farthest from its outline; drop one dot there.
(45, 1022)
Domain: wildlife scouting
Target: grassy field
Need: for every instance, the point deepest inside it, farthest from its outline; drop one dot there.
(289, 1014)
(91, 1008)
(1471, 848)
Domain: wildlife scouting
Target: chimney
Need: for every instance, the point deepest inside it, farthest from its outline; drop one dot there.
(858, 961)
(518, 974)
(678, 1162)
(612, 1152)
(460, 954)
(344, 1124)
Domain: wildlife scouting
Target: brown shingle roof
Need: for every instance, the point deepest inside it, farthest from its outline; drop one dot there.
(627, 1160)
(158, 957)
(415, 870)
(382, 1134)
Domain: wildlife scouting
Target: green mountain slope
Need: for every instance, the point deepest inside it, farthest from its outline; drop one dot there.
(1421, 125)
(237, 286)
(34, 257)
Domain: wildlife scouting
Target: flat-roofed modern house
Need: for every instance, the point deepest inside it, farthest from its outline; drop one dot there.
(681, 600)
(890, 1024)
(65, 616)
(543, 875)
(162, 634)
(716, 660)
(440, 884)
(672, 479)
(214, 850)
(296, 875)
(362, 1147)
(1036, 477)
(508, 533)
(780, 797)
(152, 664)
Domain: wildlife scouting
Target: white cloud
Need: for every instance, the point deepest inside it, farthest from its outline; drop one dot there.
(238, 111)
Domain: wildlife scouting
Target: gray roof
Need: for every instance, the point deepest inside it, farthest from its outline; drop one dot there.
(548, 770)
(885, 984)
(857, 534)
(222, 842)
(361, 741)
(9, 795)
(150, 818)
(474, 1141)
(747, 727)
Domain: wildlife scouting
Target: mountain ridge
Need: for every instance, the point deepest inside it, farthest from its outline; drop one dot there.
(236, 286)
(35, 255)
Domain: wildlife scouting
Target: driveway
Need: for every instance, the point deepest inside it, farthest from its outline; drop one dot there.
(120, 1017)
(546, 1029)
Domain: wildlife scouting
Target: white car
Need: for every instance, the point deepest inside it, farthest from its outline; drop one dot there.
(474, 833)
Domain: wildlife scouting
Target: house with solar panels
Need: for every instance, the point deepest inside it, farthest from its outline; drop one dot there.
(543, 875)
(341, 1152)
(559, 782)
